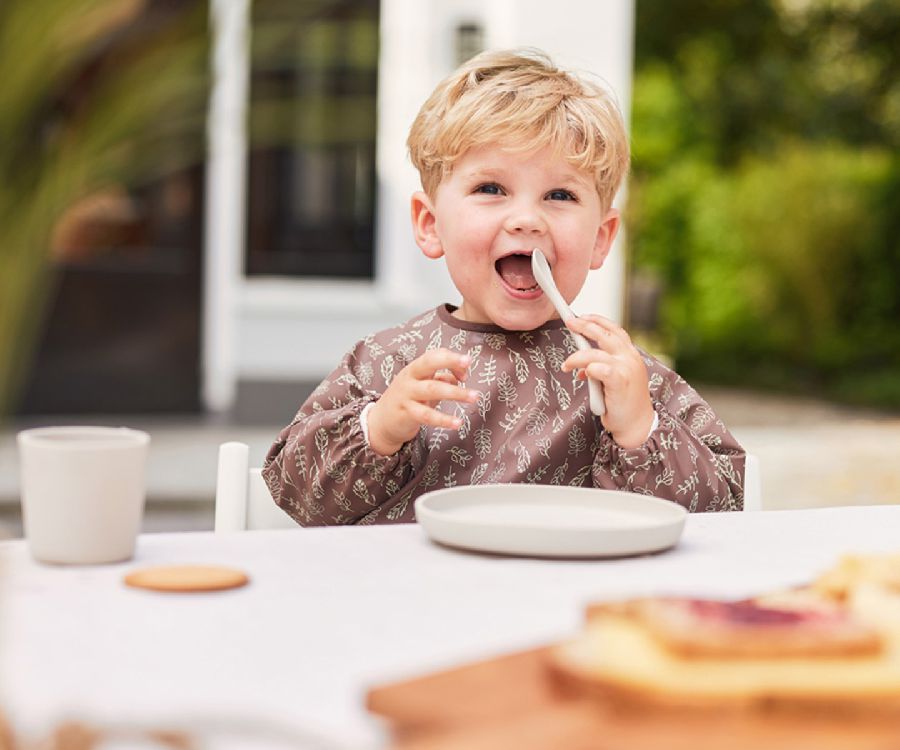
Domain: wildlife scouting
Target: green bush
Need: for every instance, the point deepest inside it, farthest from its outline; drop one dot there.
(765, 189)
(780, 272)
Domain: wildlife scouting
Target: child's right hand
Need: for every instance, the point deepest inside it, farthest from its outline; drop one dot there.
(409, 401)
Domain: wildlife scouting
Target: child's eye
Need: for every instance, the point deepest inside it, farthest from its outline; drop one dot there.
(561, 195)
(489, 188)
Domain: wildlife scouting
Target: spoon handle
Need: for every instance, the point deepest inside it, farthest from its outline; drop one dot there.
(595, 388)
(544, 277)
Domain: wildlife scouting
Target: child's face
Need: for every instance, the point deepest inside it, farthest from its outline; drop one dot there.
(488, 215)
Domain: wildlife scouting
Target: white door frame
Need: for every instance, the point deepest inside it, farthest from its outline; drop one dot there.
(297, 329)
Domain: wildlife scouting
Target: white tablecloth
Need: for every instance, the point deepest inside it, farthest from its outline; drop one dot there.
(330, 612)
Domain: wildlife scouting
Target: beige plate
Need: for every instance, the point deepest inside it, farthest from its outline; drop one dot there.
(549, 521)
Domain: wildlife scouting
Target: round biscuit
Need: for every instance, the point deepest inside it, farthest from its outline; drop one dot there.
(187, 578)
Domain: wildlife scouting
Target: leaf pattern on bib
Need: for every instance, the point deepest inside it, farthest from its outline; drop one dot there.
(531, 423)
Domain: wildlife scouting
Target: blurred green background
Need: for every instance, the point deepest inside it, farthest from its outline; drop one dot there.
(764, 206)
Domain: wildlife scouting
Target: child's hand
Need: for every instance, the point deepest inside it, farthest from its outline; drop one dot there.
(409, 400)
(619, 366)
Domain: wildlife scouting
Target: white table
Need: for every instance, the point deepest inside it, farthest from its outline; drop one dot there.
(330, 612)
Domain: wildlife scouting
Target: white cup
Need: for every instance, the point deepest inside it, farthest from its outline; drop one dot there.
(82, 492)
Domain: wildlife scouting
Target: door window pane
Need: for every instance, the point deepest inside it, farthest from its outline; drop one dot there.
(312, 130)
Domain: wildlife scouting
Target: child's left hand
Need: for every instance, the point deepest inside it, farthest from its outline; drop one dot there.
(620, 367)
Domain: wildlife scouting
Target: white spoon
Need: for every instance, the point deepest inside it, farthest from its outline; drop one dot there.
(541, 270)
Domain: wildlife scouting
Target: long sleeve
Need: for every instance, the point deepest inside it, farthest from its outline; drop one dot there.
(690, 458)
(320, 469)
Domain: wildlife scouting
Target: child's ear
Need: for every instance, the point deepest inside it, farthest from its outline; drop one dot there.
(424, 226)
(607, 232)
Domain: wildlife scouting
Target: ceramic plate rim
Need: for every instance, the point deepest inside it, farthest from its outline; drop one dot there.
(434, 514)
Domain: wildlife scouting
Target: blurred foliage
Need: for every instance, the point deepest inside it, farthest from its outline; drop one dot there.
(766, 188)
(95, 94)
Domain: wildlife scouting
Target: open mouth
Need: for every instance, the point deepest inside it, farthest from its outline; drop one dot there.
(515, 270)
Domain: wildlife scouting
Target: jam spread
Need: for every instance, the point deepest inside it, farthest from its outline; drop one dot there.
(746, 612)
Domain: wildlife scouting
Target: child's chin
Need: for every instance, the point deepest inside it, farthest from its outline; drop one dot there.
(514, 320)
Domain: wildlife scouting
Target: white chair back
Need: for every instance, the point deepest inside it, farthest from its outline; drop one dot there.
(752, 484)
(243, 501)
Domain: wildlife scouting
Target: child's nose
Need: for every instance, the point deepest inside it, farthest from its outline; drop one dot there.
(526, 221)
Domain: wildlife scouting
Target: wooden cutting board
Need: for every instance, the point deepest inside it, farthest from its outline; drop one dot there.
(515, 701)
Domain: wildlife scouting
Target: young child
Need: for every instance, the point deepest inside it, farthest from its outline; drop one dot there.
(514, 154)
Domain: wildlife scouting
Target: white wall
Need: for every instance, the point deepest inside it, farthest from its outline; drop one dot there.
(296, 329)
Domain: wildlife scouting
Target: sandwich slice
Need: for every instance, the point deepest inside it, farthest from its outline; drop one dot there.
(806, 652)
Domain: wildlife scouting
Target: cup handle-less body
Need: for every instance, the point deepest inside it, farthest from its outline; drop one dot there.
(82, 492)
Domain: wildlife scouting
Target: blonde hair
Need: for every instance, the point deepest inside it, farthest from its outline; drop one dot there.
(519, 98)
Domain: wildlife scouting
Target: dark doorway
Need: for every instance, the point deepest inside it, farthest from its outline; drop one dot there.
(122, 333)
